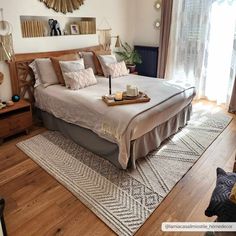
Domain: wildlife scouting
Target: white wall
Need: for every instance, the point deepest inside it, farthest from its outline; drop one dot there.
(146, 15)
(117, 12)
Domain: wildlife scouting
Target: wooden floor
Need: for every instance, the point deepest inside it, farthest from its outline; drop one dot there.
(36, 204)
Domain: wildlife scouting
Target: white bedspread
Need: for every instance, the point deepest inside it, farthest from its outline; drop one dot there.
(118, 124)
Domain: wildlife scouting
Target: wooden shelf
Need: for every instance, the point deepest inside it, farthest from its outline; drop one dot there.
(38, 26)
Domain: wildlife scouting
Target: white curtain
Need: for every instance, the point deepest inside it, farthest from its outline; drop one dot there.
(201, 46)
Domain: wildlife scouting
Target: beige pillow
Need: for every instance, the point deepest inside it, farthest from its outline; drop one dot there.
(106, 60)
(89, 61)
(80, 79)
(33, 66)
(117, 69)
(46, 72)
(56, 65)
(97, 62)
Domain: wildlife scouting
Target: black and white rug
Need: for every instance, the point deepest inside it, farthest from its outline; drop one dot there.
(125, 199)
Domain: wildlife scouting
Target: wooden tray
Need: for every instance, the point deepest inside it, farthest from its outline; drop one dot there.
(139, 99)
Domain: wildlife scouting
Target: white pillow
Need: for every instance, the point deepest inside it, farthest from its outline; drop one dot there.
(46, 72)
(106, 60)
(32, 65)
(71, 66)
(80, 79)
(117, 69)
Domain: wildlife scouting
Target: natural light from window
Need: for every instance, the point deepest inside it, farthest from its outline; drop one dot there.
(221, 39)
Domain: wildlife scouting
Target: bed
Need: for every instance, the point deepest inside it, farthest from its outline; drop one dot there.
(121, 134)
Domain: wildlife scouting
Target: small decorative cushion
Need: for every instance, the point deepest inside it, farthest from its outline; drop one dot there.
(80, 79)
(233, 194)
(97, 62)
(46, 72)
(117, 69)
(32, 65)
(220, 204)
(71, 66)
(89, 61)
(56, 65)
(106, 60)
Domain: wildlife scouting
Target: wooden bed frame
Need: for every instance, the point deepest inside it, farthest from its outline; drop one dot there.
(22, 77)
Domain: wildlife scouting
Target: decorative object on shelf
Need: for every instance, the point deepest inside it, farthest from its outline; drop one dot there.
(74, 29)
(54, 27)
(63, 6)
(130, 56)
(33, 28)
(15, 98)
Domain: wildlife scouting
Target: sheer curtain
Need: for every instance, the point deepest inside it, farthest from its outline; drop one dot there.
(201, 46)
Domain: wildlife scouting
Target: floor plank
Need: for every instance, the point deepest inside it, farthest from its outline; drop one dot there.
(36, 204)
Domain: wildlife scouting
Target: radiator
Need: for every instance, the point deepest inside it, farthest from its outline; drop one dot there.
(149, 57)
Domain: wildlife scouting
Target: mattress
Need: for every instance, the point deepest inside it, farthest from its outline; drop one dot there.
(119, 124)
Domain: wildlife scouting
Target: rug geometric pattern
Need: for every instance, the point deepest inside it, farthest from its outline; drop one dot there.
(125, 199)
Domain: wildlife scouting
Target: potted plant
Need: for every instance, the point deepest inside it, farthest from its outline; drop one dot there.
(130, 56)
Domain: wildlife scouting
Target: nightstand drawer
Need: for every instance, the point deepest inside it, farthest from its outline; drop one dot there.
(16, 123)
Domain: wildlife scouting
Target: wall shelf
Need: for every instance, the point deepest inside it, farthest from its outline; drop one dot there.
(38, 26)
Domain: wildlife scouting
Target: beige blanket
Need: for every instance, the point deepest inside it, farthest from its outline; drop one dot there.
(119, 124)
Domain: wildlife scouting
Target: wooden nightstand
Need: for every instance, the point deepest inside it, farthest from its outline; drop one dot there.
(15, 119)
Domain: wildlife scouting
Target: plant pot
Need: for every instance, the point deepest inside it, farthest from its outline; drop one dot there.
(131, 67)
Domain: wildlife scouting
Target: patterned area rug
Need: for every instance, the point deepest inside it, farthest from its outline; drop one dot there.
(125, 199)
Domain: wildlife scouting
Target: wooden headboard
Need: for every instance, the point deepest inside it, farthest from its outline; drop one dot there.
(22, 77)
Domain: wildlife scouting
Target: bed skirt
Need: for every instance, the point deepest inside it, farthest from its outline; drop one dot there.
(108, 150)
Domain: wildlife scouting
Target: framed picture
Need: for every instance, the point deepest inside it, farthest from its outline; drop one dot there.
(3, 231)
(74, 29)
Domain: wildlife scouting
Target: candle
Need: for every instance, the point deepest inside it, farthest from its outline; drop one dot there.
(109, 84)
(119, 96)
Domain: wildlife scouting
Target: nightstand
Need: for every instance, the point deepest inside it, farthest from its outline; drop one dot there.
(15, 119)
